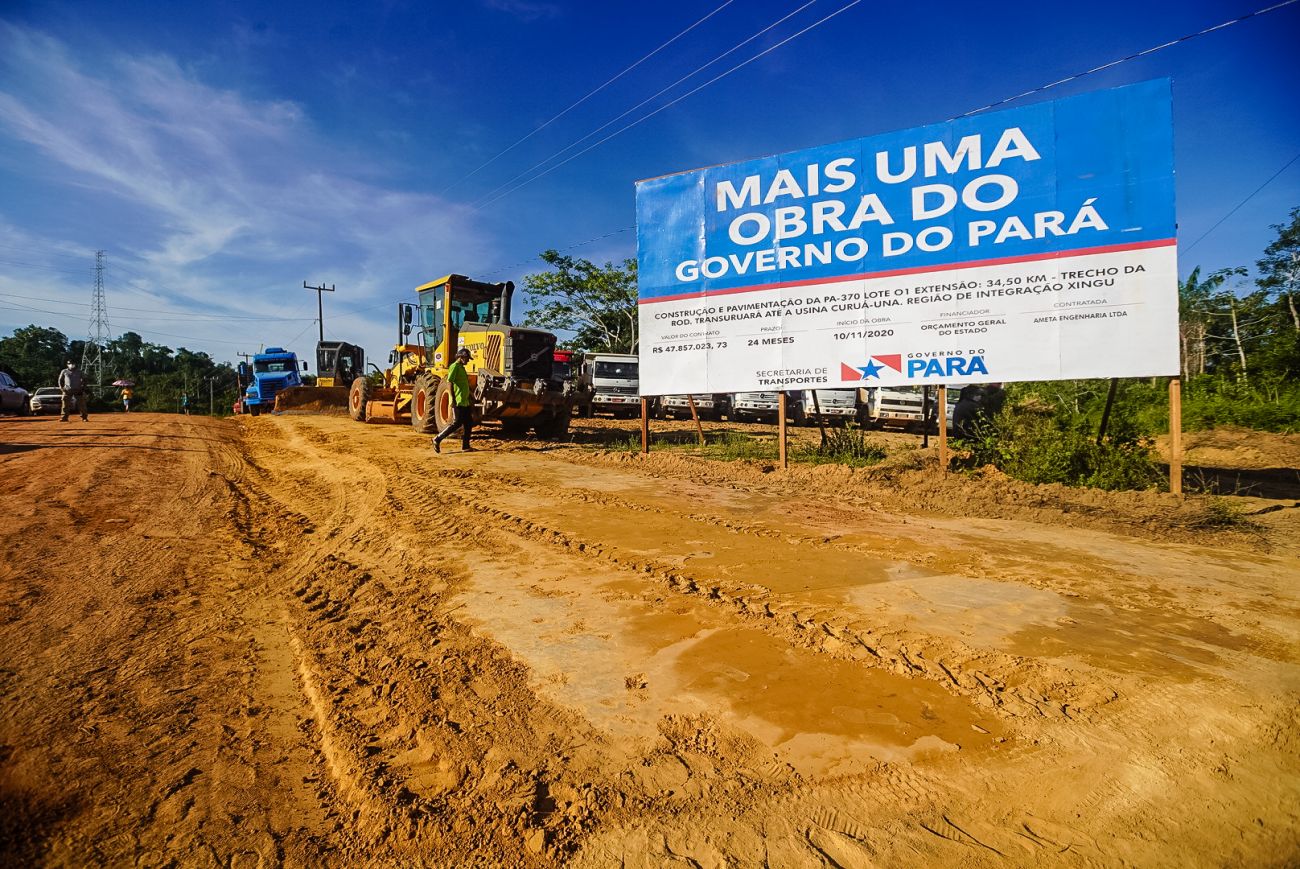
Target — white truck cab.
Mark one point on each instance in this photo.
(755, 405)
(835, 405)
(613, 382)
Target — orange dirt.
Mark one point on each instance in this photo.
(302, 641)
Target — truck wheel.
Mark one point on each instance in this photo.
(359, 398)
(555, 427)
(254, 409)
(444, 407)
(424, 397)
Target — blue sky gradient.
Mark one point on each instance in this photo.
(222, 153)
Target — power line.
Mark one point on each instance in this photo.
(1270, 180)
(528, 261)
(13, 306)
(10, 262)
(1143, 53)
(588, 96)
(674, 102)
(188, 317)
(648, 99)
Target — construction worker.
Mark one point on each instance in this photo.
(458, 377)
(73, 387)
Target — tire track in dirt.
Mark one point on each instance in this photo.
(434, 723)
(965, 672)
(363, 641)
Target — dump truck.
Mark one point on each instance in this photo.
(272, 371)
(709, 405)
(834, 405)
(511, 369)
(612, 383)
(755, 406)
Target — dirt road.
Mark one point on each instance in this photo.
(300, 641)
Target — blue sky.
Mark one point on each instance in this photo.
(223, 153)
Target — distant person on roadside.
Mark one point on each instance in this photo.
(73, 386)
(185, 403)
(127, 395)
(458, 377)
(966, 413)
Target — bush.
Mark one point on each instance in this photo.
(1030, 443)
(842, 446)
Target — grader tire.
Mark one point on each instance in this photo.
(359, 398)
(424, 399)
(444, 406)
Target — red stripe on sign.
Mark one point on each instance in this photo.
(916, 270)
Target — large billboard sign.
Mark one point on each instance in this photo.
(1030, 244)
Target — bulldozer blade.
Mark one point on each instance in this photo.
(313, 399)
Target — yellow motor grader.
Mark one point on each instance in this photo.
(511, 369)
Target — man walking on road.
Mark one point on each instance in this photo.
(73, 387)
(458, 377)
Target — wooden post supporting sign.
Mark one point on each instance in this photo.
(942, 417)
(645, 425)
(699, 429)
(1176, 435)
(780, 434)
(817, 408)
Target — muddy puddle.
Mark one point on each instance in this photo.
(612, 648)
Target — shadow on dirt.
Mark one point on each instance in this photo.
(26, 825)
(1276, 483)
(6, 449)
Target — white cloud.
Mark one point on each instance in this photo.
(219, 195)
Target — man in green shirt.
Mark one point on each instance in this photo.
(458, 377)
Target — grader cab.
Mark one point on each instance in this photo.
(511, 369)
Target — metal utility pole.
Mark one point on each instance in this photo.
(320, 313)
(92, 355)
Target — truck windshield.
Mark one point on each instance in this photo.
(265, 367)
(617, 370)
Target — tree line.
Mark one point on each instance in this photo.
(34, 355)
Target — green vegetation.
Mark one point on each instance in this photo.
(1033, 442)
(596, 303)
(842, 447)
(34, 355)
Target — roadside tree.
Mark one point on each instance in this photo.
(596, 303)
(34, 355)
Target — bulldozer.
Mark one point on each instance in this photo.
(511, 369)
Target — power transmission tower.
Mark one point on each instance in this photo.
(92, 355)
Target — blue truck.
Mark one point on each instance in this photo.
(273, 370)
